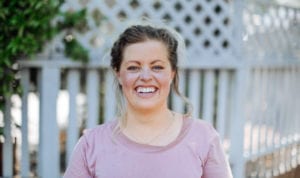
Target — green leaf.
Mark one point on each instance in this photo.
(75, 50)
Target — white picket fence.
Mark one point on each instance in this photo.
(242, 75)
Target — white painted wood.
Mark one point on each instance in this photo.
(48, 161)
(287, 106)
(222, 102)
(110, 97)
(7, 153)
(93, 98)
(297, 134)
(194, 91)
(256, 111)
(177, 103)
(73, 83)
(272, 105)
(291, 104)
(238, 123)
(287, 117)
(25, 164)
(252, 110)
(276, 138)
(263, 105)
(208, 96)
(282, 112)
(295, 103)
(240, 84)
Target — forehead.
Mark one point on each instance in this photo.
(146, 50)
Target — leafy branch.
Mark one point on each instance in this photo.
(25, 27)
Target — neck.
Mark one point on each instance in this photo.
(148, 117)
(150, 127)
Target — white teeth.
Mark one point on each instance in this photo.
(145, 89)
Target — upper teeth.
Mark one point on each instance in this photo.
(145, 90)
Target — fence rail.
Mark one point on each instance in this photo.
(211, 91)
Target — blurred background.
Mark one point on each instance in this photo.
(241, 73)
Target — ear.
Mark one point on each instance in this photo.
(117, 74)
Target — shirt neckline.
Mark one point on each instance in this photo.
(139, 147)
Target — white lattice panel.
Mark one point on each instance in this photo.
(205, 25)
(271, 32)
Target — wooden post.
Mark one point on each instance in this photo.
(48, 163)
(241, 82)
(238, 123)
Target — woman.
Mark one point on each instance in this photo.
(148, 140)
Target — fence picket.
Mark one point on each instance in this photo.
(73, 126)
(264, 123)
(194, 91)
(92, 98)
(8, 144)
(251, 114)
(177, 103)
(110, 99)
(25, 164)
(222, 96)
(208, 97)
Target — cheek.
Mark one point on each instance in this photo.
(164, 79)
(127, 79)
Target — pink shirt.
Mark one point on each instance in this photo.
(196, 153)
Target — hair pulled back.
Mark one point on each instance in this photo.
(140, 33)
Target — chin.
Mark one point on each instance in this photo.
(147, 106)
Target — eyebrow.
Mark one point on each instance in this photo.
(157, 60)
(138, 62)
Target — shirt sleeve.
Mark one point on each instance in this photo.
(77, 167)
(216, 164)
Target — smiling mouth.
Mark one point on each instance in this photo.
(146, 89)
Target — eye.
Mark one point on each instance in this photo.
(132, 68)
(157, 67)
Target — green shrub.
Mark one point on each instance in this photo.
(25, 26)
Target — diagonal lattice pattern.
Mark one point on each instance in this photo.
(205, 25)
(271, 31)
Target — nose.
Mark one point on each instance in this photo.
(145, 74)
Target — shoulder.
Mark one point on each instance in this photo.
(98, 135)
(201, 132)
(100, 131)
(203, 128)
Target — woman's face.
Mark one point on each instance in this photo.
(146, 75)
